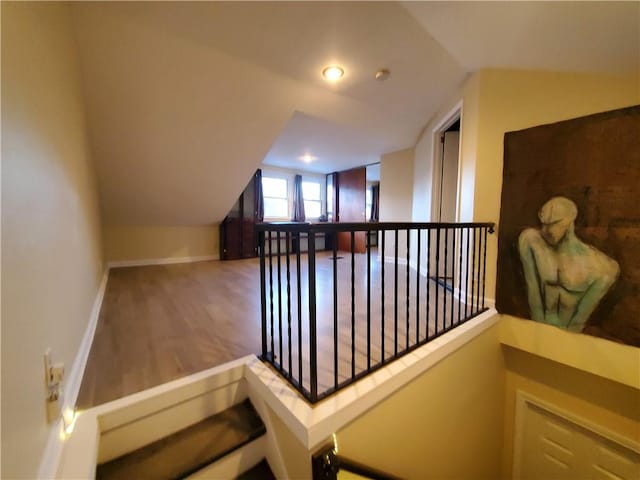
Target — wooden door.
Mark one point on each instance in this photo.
(352, 186)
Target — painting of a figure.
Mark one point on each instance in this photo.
(565, 277)
(569, 230)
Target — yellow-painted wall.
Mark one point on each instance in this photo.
(396, 180)
(513, 100)
(130, 243)
(596, 378)
(396, 185)
(445, 424)
(51, 242)
(611, 405)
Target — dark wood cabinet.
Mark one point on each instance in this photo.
(352, 186)
(237, 231)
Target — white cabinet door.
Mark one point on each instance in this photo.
(549, 446)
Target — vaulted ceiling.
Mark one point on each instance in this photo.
(185, 100)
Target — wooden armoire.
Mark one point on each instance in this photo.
(237, 231)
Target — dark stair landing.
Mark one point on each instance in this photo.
(260, 472)
(188, 450)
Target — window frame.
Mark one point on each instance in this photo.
(317, 182)
(287, 197)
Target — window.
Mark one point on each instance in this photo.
(369, 203)
(276, 199)
(311, 195)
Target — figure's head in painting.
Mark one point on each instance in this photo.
(557, 217)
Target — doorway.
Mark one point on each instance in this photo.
(445, 186)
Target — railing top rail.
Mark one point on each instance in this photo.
(327, 227)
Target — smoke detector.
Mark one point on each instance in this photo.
(382, 74)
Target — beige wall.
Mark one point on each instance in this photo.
(396, 199)
(589, 377)
(52, 261)
(131, 243)
(396, 185)
(445, 424)
(592, 377)
(498, 101)
(513, 100)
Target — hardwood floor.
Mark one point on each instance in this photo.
(159, 323)
(163, 322)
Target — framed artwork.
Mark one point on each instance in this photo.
(569, 231)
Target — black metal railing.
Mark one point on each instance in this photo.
(345, 308)
(327, 465)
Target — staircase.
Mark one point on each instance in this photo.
(211, 448)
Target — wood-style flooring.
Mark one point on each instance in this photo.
(162, 322)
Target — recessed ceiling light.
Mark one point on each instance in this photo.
(306, 158)
(333, 73)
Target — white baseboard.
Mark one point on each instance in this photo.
(53, 450)
(160, 261)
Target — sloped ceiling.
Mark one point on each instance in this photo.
(561, 36)
(186, 99)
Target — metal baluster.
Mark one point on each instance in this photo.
(428, 313)
(263, 294)
(384, 235)
(418, 289)
(395, 302)
(287, 237)
(460, 276)
(484, 266)
(453, 272)
(299, 285)
(313, 346)
(437, 275)
(466, 281)
(473, 274)
(408, 293)
(368, 233)
(279, 252)
(478, 281)
(444, 289)
(353, 305)
(335, 310)
(271, 295)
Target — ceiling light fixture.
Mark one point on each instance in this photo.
(333, 73)
(306, 158)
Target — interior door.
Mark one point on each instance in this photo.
(449, 178)
(352, 187)
(447, 194)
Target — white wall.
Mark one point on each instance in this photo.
(52, 260)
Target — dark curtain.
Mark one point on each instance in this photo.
(375, 203)
(259, 196)
(298, 200)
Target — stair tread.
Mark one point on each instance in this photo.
(261, 471)
(190, 449)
